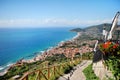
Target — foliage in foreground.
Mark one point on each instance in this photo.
(113, 64)
(20, 70)
(89, 73)
(112, 51)
(56, 59)
(54, 73)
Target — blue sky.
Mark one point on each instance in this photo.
(41, 13)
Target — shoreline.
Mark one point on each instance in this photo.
(41, 55)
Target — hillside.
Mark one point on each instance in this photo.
(99, 27)
(77, 30)
(94, 31)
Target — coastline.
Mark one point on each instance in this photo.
(41, 55)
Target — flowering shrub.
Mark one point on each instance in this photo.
(110, 48)
(112, 51)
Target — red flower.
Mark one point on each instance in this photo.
(106, 45)
(115, 46)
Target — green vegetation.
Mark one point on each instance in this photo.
(89, 73)
(19, 70)
(55, 71)
(113, 64)
(56, 59)
(76, 30)
(49, 61)
(112, 52)
(88, 55)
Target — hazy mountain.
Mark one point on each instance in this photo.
(99, 27)
(94, 31)
(77, 30)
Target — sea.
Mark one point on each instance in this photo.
(18, 43)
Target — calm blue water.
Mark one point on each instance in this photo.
(18, 43)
